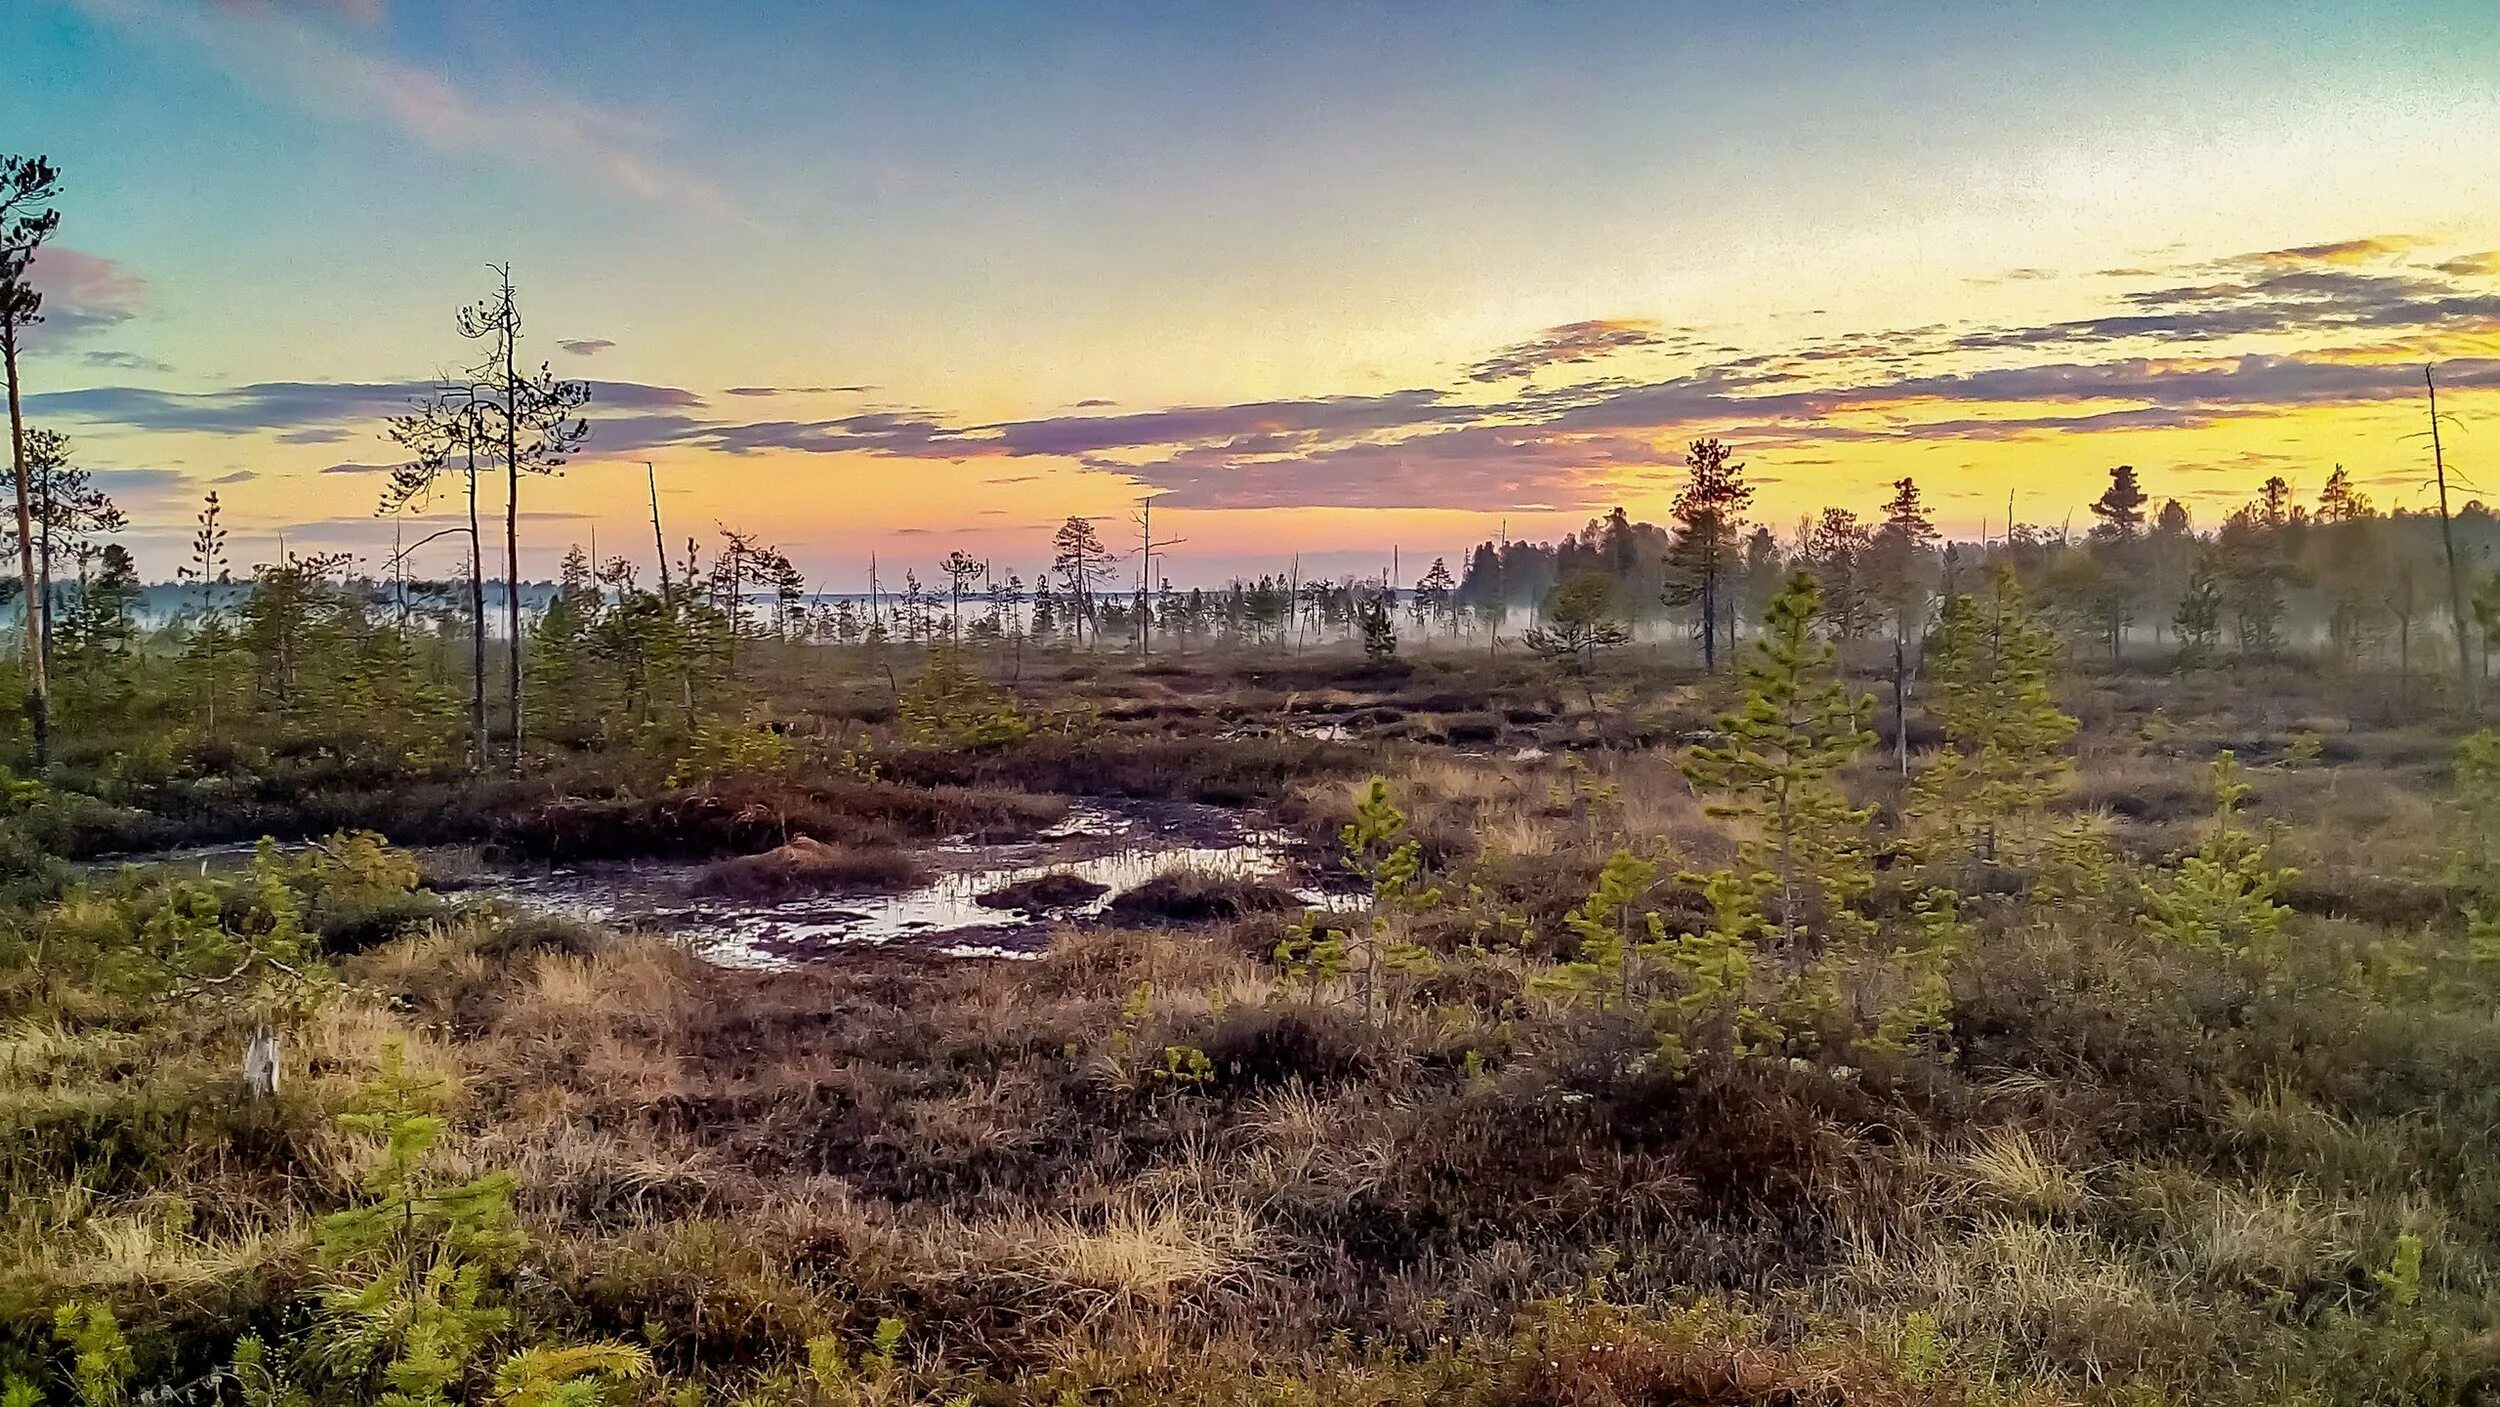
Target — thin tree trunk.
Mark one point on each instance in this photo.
(1709, 618)
(1901, 696)
(43, 564)
(38, 689)
(2448, 542)
(477, 624)
(512, 522)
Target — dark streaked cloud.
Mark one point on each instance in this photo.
(361, 11)
(924, 434)
(1480, 467)
(796, 390)
(1319, 417)
(634, 395)
(239, 410)
(125, 361)
(1570, 343)
(2298, 301)
(138, 489)
(615, 434)
(585, 346)
(301, 412)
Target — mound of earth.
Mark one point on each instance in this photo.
(1197, 896)
(1044, 893)
(809, 866)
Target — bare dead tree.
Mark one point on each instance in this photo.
(2448, 543)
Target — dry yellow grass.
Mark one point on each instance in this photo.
(2012, 1167)
(1157, 1256)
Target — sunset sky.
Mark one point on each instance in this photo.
(1326, 277)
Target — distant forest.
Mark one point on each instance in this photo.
(2276, 573)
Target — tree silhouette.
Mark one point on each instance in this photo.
(28, 186)
(1709, 510)
(1082, 564)
(533, 420)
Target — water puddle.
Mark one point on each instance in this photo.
(1323, 730)
(1117, 848)
(1115, 845)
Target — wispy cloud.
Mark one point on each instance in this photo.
(82, 293)
(271, 47)
(360, 11)
(2369, 249)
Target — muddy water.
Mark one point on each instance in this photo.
(1119, 846)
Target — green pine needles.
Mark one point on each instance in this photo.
(1786, 745)
(416, 1305)
(2004, 755)
(1377, 849)
(2222, 898)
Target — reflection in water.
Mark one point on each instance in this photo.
(1118, 850)
(1118, 846)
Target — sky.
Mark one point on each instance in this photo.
(1330, 279)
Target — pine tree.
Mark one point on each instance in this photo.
(2004, 753)
(417, 1304)
(1380, 629)
(1613, 932)
(1078, 556)
(2116, 584)
(1836, 550)
(2222, 897)
(1709, 512)
(1378, 849)
(1898, 562)
(2120, 508)
(1578, 621)
(1436, 595)
(2199, 616)
(1798, 726)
